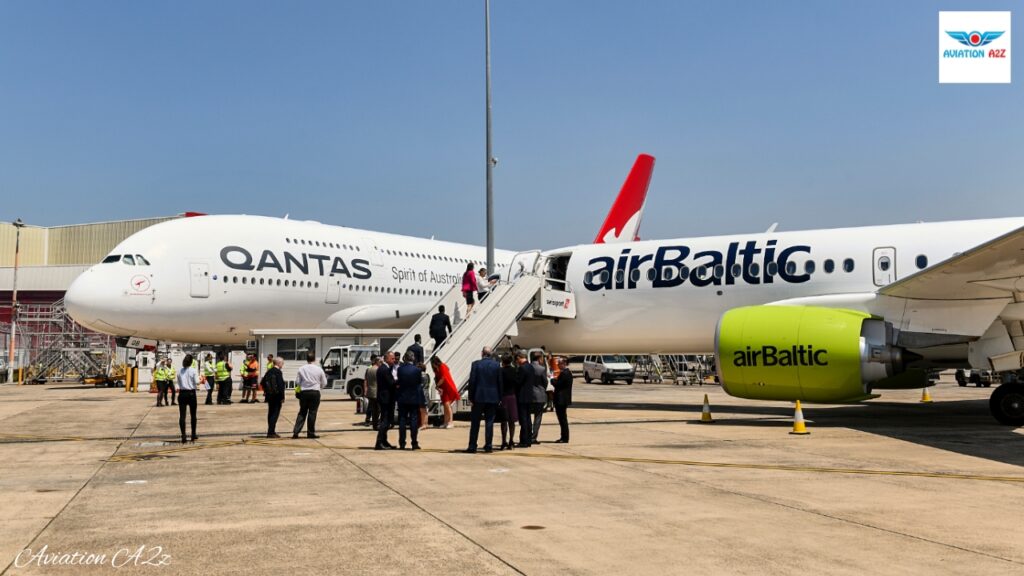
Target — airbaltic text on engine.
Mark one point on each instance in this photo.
(771, 356)
(608, 273)
(241, 259)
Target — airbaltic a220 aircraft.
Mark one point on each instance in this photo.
(818, 315)
(212, 279)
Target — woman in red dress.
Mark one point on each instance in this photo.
(446, 388)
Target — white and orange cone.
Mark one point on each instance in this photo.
(705, 413)
(926, 398)
(799, 427)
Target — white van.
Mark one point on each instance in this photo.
(608, 368)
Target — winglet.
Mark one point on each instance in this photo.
(623, 221)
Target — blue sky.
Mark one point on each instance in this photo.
(371, 114)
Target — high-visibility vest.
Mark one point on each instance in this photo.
(251, 369)
(158, 374)
(170, 373)
(270, 364)
(222, 371)
(209, 370)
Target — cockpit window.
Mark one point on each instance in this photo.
(140, 260)
(128, 260)
(112, 258)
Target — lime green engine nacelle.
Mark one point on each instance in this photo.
(804, 353)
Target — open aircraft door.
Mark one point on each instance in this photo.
(199, 279)
(884, 265)
(523, 263)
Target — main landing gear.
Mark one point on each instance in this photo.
(1007, 404)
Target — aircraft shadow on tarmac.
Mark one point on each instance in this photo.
(961, 426)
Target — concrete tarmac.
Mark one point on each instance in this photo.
(891, 486)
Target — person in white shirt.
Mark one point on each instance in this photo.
(309, 380)
(185, 383)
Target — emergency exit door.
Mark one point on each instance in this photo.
(199, 280)
(884, 266)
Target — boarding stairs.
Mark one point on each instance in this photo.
(490, 322)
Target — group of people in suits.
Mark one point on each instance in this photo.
(401, 386)
(516, 394)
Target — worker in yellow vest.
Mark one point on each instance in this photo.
(222, 371)
(164, 380)
(270, 363)
(250, 378)
(172, 375)
(158, 378)
(209, 376)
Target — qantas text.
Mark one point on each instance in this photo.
(672, 266)
(241, 259)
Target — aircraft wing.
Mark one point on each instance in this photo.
(994, 269)
(623, 221)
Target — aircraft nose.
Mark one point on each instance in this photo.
(84, 299)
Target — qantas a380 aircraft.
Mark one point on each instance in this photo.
(212, 279)
(817, 315)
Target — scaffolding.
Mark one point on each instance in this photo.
(52, 346)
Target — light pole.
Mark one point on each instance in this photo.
(18, 225)
(490, 159)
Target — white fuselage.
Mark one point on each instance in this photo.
(212, 279)
(620, 309)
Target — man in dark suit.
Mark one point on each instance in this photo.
(417, 350)
(563, 399)
(484, 394)
(524, 396)
(386, 400)
(539, 392)
(273, 395)
(440, 327)
(410, 385)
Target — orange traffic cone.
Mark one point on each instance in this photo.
(798, 421)
(705, 413)
(926, 398)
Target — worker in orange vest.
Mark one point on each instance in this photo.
(250, 379)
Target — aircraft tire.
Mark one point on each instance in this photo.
(1007, 404)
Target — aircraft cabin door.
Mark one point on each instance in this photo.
(199, 279)
(884, 266)
(372, 252)
(522, 263)
(333, 290)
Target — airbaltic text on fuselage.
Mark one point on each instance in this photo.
(771, 356)
(241, 259)
(608, 273)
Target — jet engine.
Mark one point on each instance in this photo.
(804, 353)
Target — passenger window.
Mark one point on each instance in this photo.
(128, 260)
(829, 266)
(922, 262)
(719, 271)
(791, 268)
(737, 269)
(112, 258)
(848, 265)
(634, 275)
(755, 269)
(883, 263)
(772, 268)
(809, 267)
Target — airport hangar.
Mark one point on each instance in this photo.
(49, 260)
